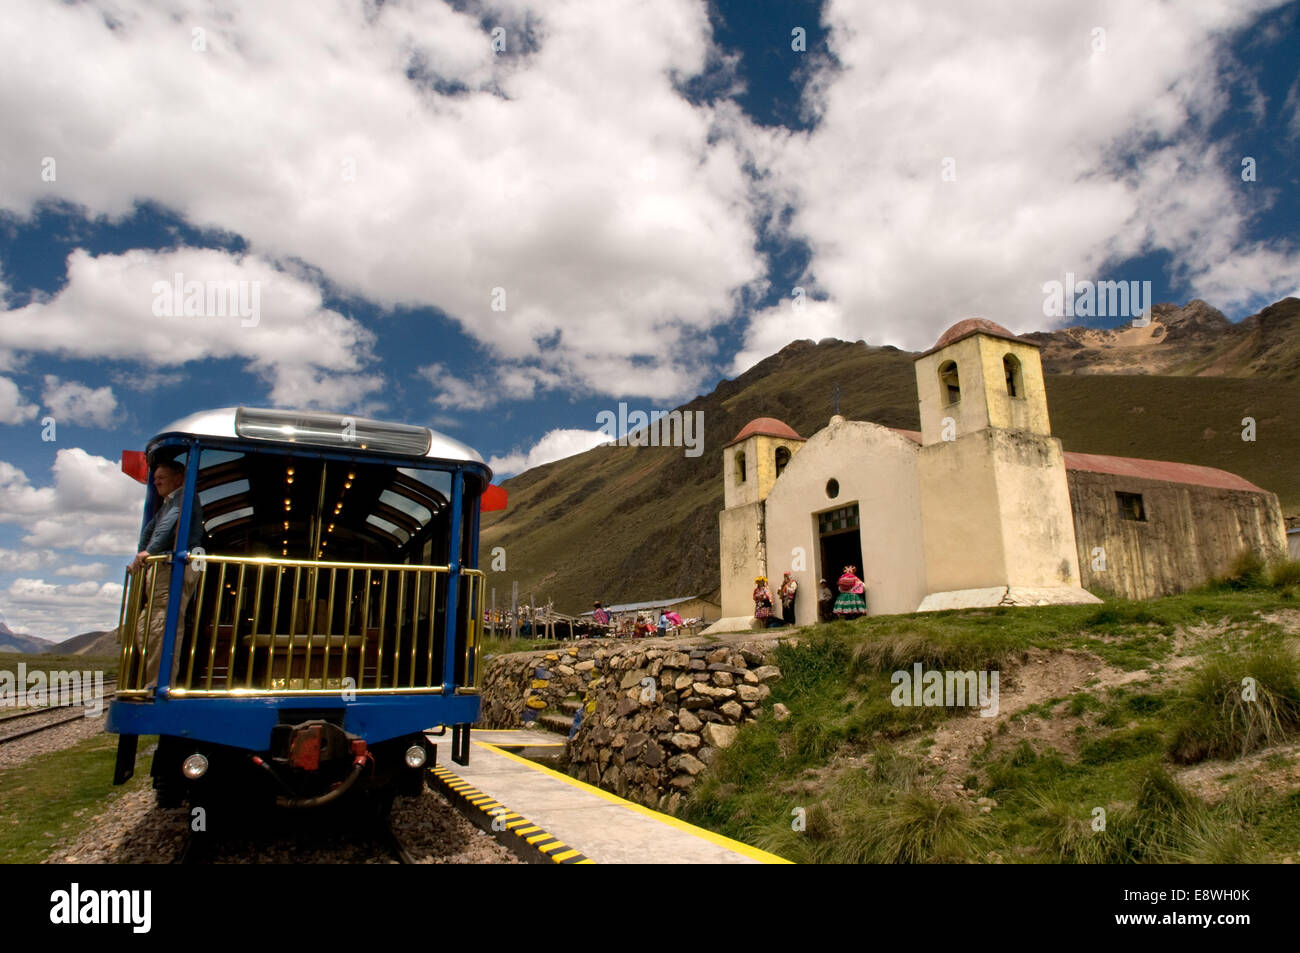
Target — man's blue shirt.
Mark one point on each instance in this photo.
(160, 532)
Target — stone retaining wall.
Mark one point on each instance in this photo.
(652, 715)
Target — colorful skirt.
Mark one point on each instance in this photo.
(850, 603)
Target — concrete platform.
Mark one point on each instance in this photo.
(567, 818)
(1007, 596)
(739, 623)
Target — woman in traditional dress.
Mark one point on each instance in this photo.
(788, 591)
(762, 601)
(851, 601)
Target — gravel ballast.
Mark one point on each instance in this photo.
(56, 739)
(134, 831)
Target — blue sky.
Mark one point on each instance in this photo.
(500, 219)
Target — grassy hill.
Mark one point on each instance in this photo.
(631, 523)
(101, 643)
(1130, 714)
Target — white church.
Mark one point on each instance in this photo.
(983, 507)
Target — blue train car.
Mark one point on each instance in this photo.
(317, 609)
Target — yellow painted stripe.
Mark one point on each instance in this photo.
(753, 852)
(588, 860)
(536, 837)
(524, 744)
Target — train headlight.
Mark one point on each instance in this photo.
(416, 756)
(195, 766)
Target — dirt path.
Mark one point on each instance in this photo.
(1041, 675)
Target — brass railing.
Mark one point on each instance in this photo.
(258, 626)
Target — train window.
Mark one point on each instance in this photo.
(214, 458)
(439, 480)
(224, 518)
(391, 529)
(408, 506)
(221, 491)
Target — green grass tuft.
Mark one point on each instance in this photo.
(1285, 575)
(1219, 721)
(1121, 746)
(1248, 571)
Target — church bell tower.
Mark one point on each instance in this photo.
(995, 506)
(751, 464)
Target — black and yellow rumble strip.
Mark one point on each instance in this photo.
(529, 841)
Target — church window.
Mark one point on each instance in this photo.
(949, 382)
(1130, 507)
(782, 458)
(832, 488)
(1015, 384)
(838, 521)
(740, 467)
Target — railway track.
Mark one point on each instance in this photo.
(15, 727)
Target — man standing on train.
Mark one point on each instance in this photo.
(159, 538)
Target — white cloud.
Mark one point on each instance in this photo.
(92, 507)
(1292, 106)
(147, 381)
(51, 611)
(83, 570)
(483, 390)
(616, 216)
(555, 445)
(310, 355)
(70, 402)
(13, 409)
(1042, 128)
(27, 560)
(773, 328)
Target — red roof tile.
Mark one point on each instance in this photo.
(964, 329)
(768, 427)
(1158, 470)
(1142, 469)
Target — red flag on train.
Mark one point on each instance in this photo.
(135, 464)
(494, 498)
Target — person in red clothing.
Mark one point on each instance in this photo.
(851, 602)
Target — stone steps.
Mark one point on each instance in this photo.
(559, 724)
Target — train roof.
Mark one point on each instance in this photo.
(321, 429)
